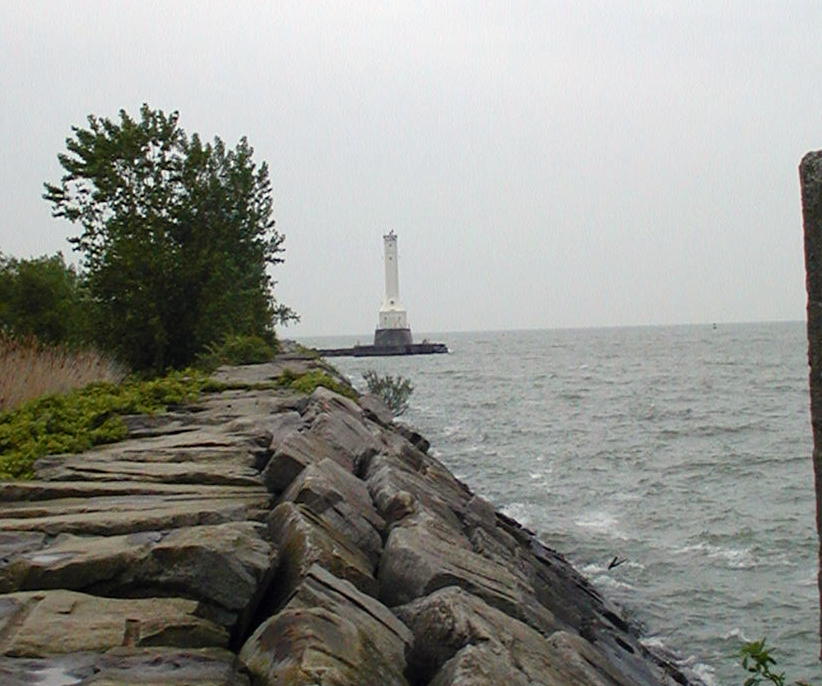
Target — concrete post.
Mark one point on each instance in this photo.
(810, 177)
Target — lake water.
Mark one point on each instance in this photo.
(685, 450)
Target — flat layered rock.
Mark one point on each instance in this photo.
(305, 540)
(43, 623)
(342, 501)
(323, 399)
(252, 374)
(481, 665)
(328, 633)
(120, 666)
(212, 472)
(348, 435)
(432, 486)
(423, 554)
(296, 452)
(145, 514)
(36, 490)
(225, 566)
(460, 640)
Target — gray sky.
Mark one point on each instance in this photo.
(545, 164)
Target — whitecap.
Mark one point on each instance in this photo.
(609, 582)
(736, 633)
(736, 558)
(597, 520)
(601, 522)
(705, 673)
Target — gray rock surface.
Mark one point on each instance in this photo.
(42, 623)
(261, 536)
(328, 633)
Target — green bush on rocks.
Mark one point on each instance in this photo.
(308, 382)
(89, 416)
(236, 349)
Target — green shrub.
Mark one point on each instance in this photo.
(89, 416)
(307, 382)
(237, 349)
(393, 391)
(757, 660)
(43, 297)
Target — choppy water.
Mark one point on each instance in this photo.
(684, 449)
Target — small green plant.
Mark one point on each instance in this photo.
(76, 421)
(757, 660)
(236, 349)
(394, 391)
(308, 382)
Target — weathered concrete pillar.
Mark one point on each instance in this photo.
(810, 177)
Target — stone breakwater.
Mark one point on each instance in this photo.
(267, 537)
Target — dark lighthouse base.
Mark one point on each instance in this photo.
(388, 342)
(392, 338)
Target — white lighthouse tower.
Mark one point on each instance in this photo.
(393, 327)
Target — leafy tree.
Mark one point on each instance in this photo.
(176, 237)
(41, 297)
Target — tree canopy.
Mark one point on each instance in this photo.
(176, 236)
(41, 297)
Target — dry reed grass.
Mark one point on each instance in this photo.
(29, 369)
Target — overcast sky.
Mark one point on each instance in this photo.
(544, 164)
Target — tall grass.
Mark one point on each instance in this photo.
(29, 369)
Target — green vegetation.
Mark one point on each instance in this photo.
(394, 391)
(757, 660)
(176, 236)
(236, 350)
(78, 420)
(308, 382)
(42, 297)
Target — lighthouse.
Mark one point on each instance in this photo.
(393, 327)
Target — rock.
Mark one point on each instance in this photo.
(251, 374)
(414, 437)
(328, 633)
(13, 543)
(435, 490)
(163, 666)
(423, 554)
(295, 453)
(19, 491)
(582, 662)
(324, 400)
(451, 619)
(376, 410)
(347, 434)
(106, 516)
(342, 501)
(42, 623)
(74, 562)
(150, 425)
(85, 466)
(225, 566)
(472, 643)
(283, 425)
(481, 666)
(306, 540)
(121, 666)
(402, 504)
